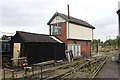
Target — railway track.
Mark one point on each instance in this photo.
(62, 72)
(65, 70)
(50, 72)
(79, 67)
(98, 69)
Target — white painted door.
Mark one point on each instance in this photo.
(75, 48)
(79, 50)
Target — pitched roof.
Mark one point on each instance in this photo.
(71, 20)
(21, 36)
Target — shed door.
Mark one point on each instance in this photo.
(16, 50)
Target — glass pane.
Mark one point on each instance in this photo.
(56, 28)
(51, 30)
(59, 24)
(59, 28)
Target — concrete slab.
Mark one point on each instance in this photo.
(110, 70)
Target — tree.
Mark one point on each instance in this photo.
(98, 42)
(118, 41)
(4, 37)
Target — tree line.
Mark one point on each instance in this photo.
(109, 42)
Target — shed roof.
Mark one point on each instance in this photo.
(21, 36)
(71, 20)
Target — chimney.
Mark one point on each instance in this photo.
(68, 12)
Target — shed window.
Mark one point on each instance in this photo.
(5, 46)
(56, 29)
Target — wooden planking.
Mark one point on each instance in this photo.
(16, 52)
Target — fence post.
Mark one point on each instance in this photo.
(12, 75)
(41, 72)
(4, 73)
(32, 71)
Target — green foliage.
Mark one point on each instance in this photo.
(4, 37)
(97, 42)
(110, 42)
(106, 46)
(118, 41)
(113, 42)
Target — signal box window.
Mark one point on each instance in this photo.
(56, 29)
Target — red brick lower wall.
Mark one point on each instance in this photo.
(84, 47)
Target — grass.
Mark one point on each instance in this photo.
(63, 70)
(91, 68)
(52, 68)
(59, 69)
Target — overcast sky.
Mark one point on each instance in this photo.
(33, 15)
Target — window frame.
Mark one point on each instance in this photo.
(57, 27)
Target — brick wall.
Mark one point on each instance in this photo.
(63, 37)
(84, 47)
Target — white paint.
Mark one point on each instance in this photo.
(56, 39)
(68, 57)
(57, 19)
(113, 58)
(19, 58)
(79, 32)
(75, 49)
(67, 25)
(75, 31)
(79, 50)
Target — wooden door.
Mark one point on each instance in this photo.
(16, 52)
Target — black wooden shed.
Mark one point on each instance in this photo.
(36, 47)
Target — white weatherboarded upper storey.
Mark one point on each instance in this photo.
(79, 32)
(75, 28)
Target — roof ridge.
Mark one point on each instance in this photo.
(72, 17)
(33, 37)
(31, 33)
(72, 20)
